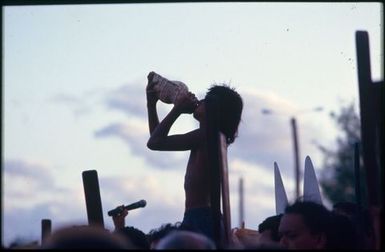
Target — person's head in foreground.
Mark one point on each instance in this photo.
(185, 240)
(268, 230)
(304, 226)
(85, 237)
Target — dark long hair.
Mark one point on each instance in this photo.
(230, 109)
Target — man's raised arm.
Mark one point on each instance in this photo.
(152, 99)
(159, 139)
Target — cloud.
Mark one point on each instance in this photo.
(135, 135)
(27, 169)
(30, 194)
(129, 99)
(78, 104)
(263, 139)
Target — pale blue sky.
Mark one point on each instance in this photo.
(73, 99)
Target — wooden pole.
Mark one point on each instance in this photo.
(357, 176)
(212, 138)
(92, 197)
(225, 188)
(241, 205)
(296, 157)
(46, 227)
(369, 109)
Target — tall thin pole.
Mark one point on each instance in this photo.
(46, 227)
(370, 113)
(212, 137)
(296, 157)
(241, 205)
(357, 174)
(224, 174)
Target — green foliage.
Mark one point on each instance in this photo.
(337, 178)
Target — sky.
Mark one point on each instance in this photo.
(73, 86)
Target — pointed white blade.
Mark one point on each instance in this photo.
(311, 190)
(280, 194)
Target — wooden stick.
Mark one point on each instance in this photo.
(46, 227)
(241, 205)
(92, 196)
(357, 175)
(369, 109)
(213, 165)
(225, 187)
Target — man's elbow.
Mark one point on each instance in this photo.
(151, 144)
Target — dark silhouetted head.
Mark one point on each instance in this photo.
(135, 236)
(85, 237)
(271, 225)
(185, 240)
(305, 225)
(155, 235)
(230, 107)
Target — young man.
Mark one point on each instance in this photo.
(197, 184)
(305, 225)
(309, 225)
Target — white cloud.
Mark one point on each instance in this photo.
(23, 180)
(30, 195)
(135, 135)
(28, 168)
(77, 104)
(263, 139)
(129, 99)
